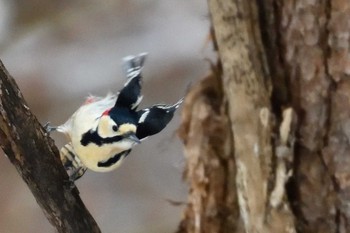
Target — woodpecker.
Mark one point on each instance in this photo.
(103, 130)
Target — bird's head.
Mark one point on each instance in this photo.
(118, 123)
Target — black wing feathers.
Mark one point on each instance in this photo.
(130, 96)
(149, 121)
(154, 119)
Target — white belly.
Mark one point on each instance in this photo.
(84, 119)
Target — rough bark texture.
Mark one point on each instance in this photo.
(247, 87)
(285, 78)
(315, 45)
(255, 178)
(210, 164)
(36, 158)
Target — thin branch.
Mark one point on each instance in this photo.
(36, 159)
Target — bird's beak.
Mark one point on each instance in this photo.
(132, 136)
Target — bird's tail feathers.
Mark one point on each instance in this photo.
(134, 64)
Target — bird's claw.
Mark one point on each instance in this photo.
(48, 128)
(69, 184)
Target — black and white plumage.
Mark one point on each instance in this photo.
(130, 96)
(103, 131)
(153, 119)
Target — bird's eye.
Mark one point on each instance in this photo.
(115, 128)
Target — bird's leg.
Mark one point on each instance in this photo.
(78, 172)
(71, 162)
(73, 176)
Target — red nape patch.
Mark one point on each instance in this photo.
(106, 113)
(90, 100)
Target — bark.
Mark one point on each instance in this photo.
(255, 181)
(271, 128)
(36, 159)
(210, 166)
(315, 45)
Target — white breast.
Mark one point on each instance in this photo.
(92, 154)
(84, 119)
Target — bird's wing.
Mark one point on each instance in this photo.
(130, 96)
(154, 119)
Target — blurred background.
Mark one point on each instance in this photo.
(59, 52)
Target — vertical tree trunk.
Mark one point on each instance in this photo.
(267, 133)
(315, 44)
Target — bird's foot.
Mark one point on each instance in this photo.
(48, 128)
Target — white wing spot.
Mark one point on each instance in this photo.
(162, 106)
(129, 80)
(144, 115)
(138, 101)
(166, 107)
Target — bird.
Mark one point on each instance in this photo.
(103, 130)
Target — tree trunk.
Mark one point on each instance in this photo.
(36, 159)
(267, 133)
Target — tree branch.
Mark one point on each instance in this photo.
(36, 159)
